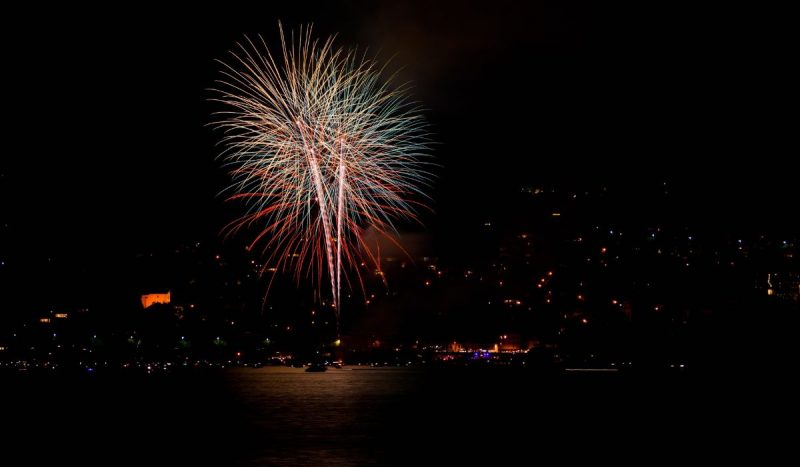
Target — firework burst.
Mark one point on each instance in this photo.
(320, 148)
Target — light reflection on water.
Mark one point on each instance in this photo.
(419, 416)
(352, 416)
(335, 417)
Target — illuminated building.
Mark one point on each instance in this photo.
(509, 343)
(149, 300)
(784, 286)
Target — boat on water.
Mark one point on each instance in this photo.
(316, 367)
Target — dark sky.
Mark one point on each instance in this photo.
(106, 145)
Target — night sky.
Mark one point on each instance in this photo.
(108, 152)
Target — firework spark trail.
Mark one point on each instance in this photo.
(320, 149)
(339, 221)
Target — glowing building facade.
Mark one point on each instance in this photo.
(151, 299)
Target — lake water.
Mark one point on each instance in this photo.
(359, 416)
